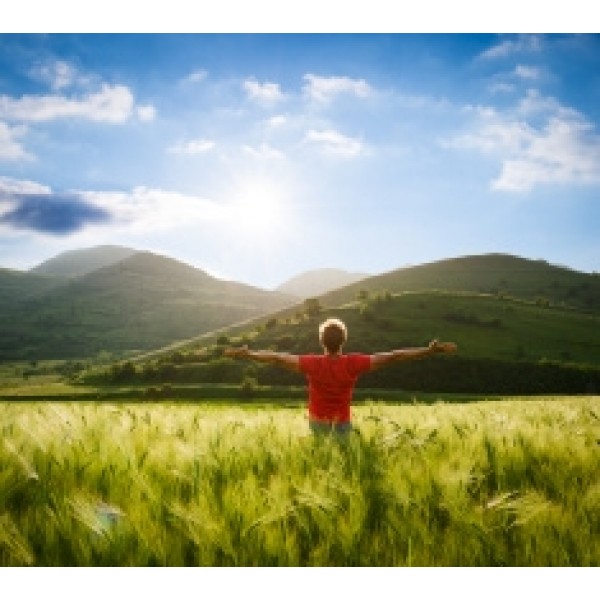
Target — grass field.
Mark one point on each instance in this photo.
(492, 483)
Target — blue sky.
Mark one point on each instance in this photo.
(256, 157)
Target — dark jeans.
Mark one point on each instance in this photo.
(324, 427)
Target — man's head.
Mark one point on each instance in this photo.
(332, 335)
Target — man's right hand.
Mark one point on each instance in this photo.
(448, 347)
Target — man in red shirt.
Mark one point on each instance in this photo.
(332, 375)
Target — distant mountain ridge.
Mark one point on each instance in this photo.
(319, 281)
(75, 263)
(141, 302)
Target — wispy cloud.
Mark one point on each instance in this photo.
(59, 75)
(501, 87)
(10, 186)
(334, 143)
(510, 47)
(277, 121)
(146, 209)
(146, 113)
(10, 147)
(199, 146)
(533, 103)
(325, 89)
(264, 151)
(539, 142)
(113, 103)
(196, 76)
(267, 92)
(527, 72)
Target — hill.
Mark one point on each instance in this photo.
(318, 282)
(76, 263)
(498, 274)
(15, 286)
(505, 346)
(536, 333)
(142, 302)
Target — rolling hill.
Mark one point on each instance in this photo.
(498, 274)
(16, 286)
(505, 345)
(532, 336)
(76, 263)
(141, 302)
(318, 282)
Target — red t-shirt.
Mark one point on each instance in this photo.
(331, 380)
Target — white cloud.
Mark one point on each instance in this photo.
(264, 151)
(146, 113)
(263, 92)
(196, 76)
(535, 104)
(540, 142)
(10, 187)
(277, 121)
(501, 88)
(527, 72)
(335, 143)
(520, 44)
(112, 104)
(10, 148)
(325, 89)
(57, 74)
(146, 209)
(192, 147)
(562, 152)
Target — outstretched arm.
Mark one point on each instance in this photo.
(384, 358)
(282, 359)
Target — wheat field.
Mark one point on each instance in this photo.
(514, 482)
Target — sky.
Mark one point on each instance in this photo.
(259, 156)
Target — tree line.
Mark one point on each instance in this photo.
(453, 374)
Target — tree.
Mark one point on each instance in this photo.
(223, 340)
(122, 372)
(248, 386)
(312, 307)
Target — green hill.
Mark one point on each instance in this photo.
(498, 274)
(483, 326)
(531, 336)
(505, 346)
(142, 302)
(15, 286)
(76, 263)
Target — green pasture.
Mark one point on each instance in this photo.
(483, 326)
(512, 482)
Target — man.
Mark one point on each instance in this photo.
(331, 376)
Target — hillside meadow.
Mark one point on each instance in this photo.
(505, 346)
(510, 482)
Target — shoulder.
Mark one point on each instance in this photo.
(306, 361)
(360, 362)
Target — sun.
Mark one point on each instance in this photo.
(259, 211)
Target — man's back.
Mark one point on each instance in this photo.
(331, 380)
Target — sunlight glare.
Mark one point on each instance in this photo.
(258, 211)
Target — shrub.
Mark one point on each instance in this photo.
(312, 307)
(248, 386)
